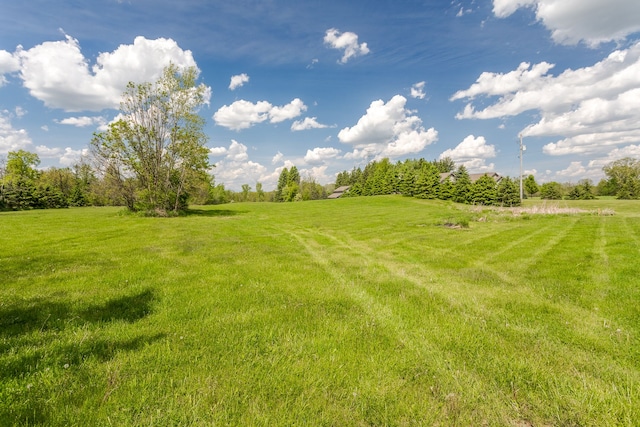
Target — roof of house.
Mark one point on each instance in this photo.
(472, 176)
(476, 176)
(338, 192)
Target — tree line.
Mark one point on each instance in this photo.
(436, 179)
(154, 160)
(24, 186)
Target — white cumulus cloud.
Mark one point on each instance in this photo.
(417, 90)
(12, 139)
(244, 114)
(9, 63)
(590, 108)
(472, 152)
(320, 155)
(218, 151)
(572, 21)
(289, 111)
(471, 147)
(83, 121)
(307, 123)
(238, 81)
(57, 73)
(347, 41)
(575, 169)
(277, 158)
(387, 130)
(236, 169)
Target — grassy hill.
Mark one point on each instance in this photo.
(366, 311)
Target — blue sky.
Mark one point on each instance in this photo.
(329, 85)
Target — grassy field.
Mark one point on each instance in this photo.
(351, 312)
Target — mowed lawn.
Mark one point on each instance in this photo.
(349, 312)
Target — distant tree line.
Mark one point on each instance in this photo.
(622, 181)
(436, 179)
(292, 188)
(24, 186)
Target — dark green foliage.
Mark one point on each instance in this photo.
(294, 176)
(218, 195)
(48, 197)
(551, 191)
(406, 178)
(582, 191)
(18, 194)
(343, 179)
(446, 190)
(427, 182)
(462, 186)
(606, 187)
(311, 190)
(282, 183)
(484, 191)
(508, 193)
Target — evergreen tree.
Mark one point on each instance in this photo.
(484, 191)
(508, 192)
(343, 179)
(294, 176)
(446, 190)
(406, 178)
(282, 183)
(427, 181)
(551, 191)
(462, 186)
(582, 191)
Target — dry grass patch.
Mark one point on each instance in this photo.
(545, 209)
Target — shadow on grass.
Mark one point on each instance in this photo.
(212, 212)
(42, 335)
(42, 314)
(37, 407)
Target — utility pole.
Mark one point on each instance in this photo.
(522, 148)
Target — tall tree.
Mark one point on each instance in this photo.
(21, 165)
(158, 148)
(427, 182)
(530, 185)
(462, 186)
(484, 191)
(508, 193)
(294, 176)
(551, 191)
(18, 186)
(445, 164)
(245, 192)
(624, 175)
(259, 192)
(282, 183)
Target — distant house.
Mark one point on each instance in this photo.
(338, 192)
(447, 176)
(476, 176)
(472, 176)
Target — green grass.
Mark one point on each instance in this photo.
(365, 311)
